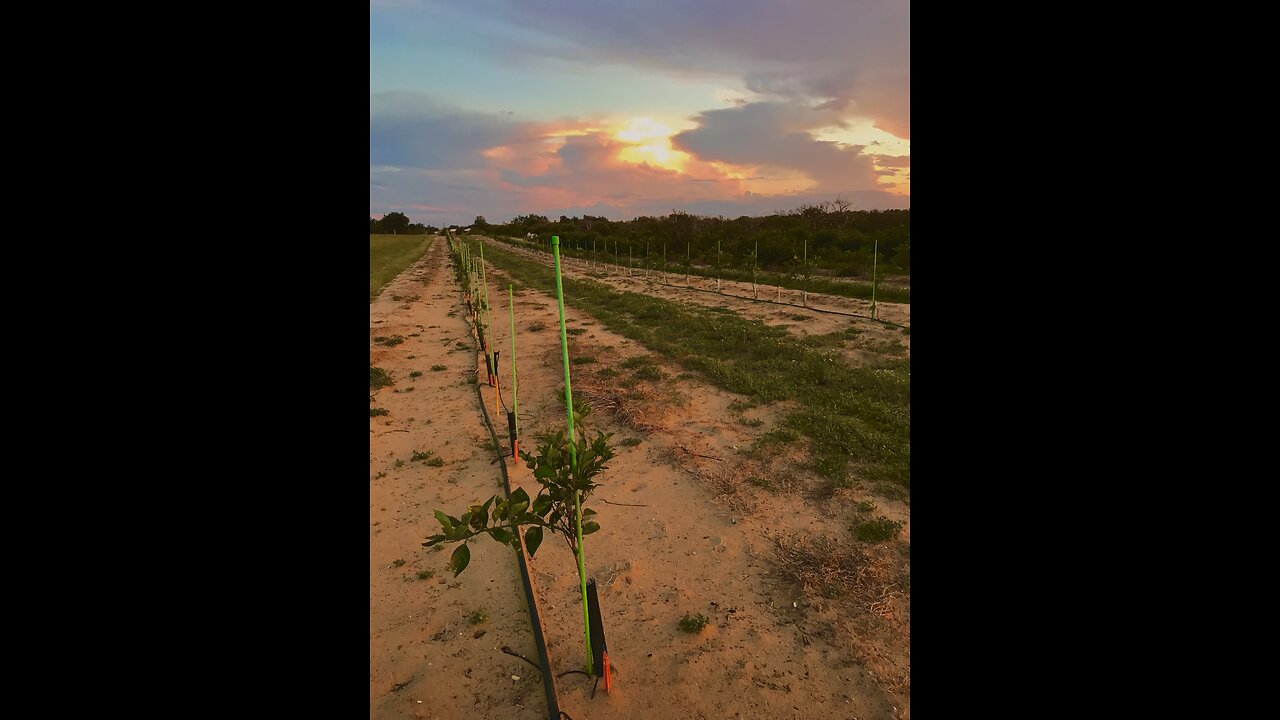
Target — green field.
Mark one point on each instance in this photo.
(391, 254)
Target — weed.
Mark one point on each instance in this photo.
(379, 377)
(381, 474)
(436, 462)
(879, 530)
(751, 422)
(648, 372)
(537, 326)
(832, 591)
(399, 463)
(426, 574)
(375, 412)
(437, 368)
(397, 563)
(574, 331)
(866, 506)
(588, 360)
(421, 455)
(906, 330)
(635, 362)
(762, 483)
(477, 616)
(605, 373)
(415, 373)
(389, 341)
(693, 623)
(631, 442)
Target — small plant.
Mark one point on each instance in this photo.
(575, 331)
(751, 422)
(379, 377)
(635, 362)
(381, 474)
(906, 330)
(694, 623)
(538, 326)
(421, 455)
(477, 616)
(832, 591)
(436, 461)
(398, 463)
(426, 574)
(389, 341)
(375, 412)
(415, 373)
(437, 368)
(397, 563)
(762, 483)
(648, 372)
(582, 360)
(605, 373)
(631, 442)
(879, 530)
(866, 506)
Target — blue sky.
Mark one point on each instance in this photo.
(502, 108)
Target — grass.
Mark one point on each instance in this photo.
(426, 574)
(853, 417)
(588, 360)
(379, 377)
(375, 412)
(762, 483)
(882, 529)
(648, 372)
(437, 368)
(608, 373)
(436, 462)
(397, 563)
(538, 326)
(421, 455)
(751, 422)
(637, 361)
(477, 616)
(399, 463)
(389, 255)
(866, 506)
(574, 331)
(694, 623)
(415, 373)
(389, 341)
(631, 442)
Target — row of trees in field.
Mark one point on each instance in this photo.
(839, 240)
(395, 223)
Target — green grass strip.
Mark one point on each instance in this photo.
(389, 255)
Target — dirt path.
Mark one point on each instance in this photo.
(874, 342)
(426, 659)
(701, 543)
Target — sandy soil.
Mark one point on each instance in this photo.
(701, 542)
(425, 660)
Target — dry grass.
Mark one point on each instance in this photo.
(646, 407)
(864, 586)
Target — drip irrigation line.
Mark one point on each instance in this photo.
(548, 682)
(622, 504)
(775, 302)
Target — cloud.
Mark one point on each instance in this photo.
(893, 161)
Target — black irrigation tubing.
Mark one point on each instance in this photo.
(548, 681)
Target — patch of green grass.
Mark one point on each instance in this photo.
(893, 492)
(879, 530)
(866, 506)
(421, 455)
(648, 372)
(574, 331)
(537, 326)
(436, 461)
(389, 255)
(426, 574)
(437, 368)
(694, 623)
(415, 373)
(738, 406)
(608, 373)
(375, 412)
(389, 341)
(397, 563)
(379, 377)
(832, 591)
(634, 362)
(631, 442)
(477, 616)
(587, 360)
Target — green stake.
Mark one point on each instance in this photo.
(573, 455)
(874, 256)
(515, 388)
(484, 291)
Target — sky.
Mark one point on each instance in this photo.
(624, 108)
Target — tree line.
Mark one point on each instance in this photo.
(396, 223)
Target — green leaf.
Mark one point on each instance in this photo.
(501, 535)
(519, 501)
(588, 512)
(533, 538)
(458, 562)
(542, 505)
(590, 527)
(466, 519)
(444, 521)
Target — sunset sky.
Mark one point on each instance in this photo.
(636, 107)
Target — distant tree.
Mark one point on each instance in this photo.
(480, 222)
(395, 222)
(375, 227)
